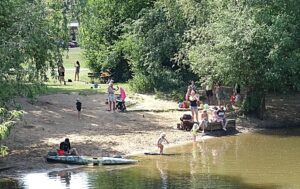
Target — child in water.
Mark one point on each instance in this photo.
(194, 130)
(160, 140)
(78, 107)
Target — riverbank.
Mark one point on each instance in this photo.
(51, 118)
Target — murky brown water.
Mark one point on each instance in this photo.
(260, 160)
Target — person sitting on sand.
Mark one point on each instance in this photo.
(66, 147)
(160, 140)
(194, 130)
(204, 120)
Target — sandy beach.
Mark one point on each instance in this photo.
(51, 118)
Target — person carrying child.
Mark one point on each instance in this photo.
(161, 139)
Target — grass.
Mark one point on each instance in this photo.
(83, 88)
(84, 85)
(70, 57)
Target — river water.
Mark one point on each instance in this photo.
(255, 160)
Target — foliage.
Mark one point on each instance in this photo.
(157, 37)
(33, 35)
(248, 42)
(6, 122)
(102, 27)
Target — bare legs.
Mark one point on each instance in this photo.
(195, 114)
(114, 105)
(76, 76)
(161, 148)
(78, 115)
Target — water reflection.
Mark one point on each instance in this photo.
(57, 180)
(65, 176)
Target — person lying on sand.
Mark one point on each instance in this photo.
(160, 140)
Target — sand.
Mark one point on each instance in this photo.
(52, 118)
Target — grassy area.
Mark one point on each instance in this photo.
(83, 88)
(69, 59)
(71, 56)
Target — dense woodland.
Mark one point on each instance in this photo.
(156, 45)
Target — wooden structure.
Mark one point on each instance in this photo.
(101, 76)
(212, 126)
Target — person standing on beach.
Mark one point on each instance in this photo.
(77, 70)
(61, 74)
(160, 140)
(111, 96)
(191, 87)
(194, 106)
(78, 107)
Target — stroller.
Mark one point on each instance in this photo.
(186, 122)
(121, 100)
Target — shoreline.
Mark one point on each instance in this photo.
(52, 167)
(100, 133)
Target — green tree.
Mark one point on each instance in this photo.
(32, 37)
(103, 24)
(156, 39)
(253, 43)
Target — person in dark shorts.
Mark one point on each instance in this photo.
(78, 107)
(194, 106)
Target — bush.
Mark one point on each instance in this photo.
(141, 83)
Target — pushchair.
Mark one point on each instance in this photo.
(121, 100)
(186, 122)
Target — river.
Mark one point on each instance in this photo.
(266, 159)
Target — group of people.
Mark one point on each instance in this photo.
(61, 73)
(218, 113)
(111, 98)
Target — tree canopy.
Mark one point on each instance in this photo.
(33, 34)
(165, 43)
